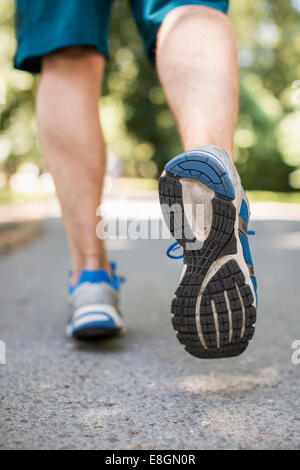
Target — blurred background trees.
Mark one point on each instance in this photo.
(138, 126)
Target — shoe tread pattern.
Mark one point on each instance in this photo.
(234, 324)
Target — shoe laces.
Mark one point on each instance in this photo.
(121, 279)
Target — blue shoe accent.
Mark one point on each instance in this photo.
(246, 249)
(244, 211)
(103, 323)
(204, 167)
(245, 243)
(93, 326)
(98, 275)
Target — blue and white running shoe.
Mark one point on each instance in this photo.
(207, 212)
(94, 301)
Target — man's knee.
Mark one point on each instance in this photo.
(191, 16)
(185, 12)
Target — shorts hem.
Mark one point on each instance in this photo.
(31, 61)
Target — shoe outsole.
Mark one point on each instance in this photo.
(218, 322)
(95, 333)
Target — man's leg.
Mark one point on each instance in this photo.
(197, 65)
(214, 307)
(72, 142)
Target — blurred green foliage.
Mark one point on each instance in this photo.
(137, 124)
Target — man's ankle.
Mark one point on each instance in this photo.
(91, 263)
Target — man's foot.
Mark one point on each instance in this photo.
(94, 303)
(214, 307)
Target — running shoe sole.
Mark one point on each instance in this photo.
(214, 307)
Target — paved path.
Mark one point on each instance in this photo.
(144, 390)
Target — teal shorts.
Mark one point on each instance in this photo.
(43, 26)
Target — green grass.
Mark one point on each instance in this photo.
(291, 197)
(8, 196)
(137, 184)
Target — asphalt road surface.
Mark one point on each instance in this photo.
(143, 391)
